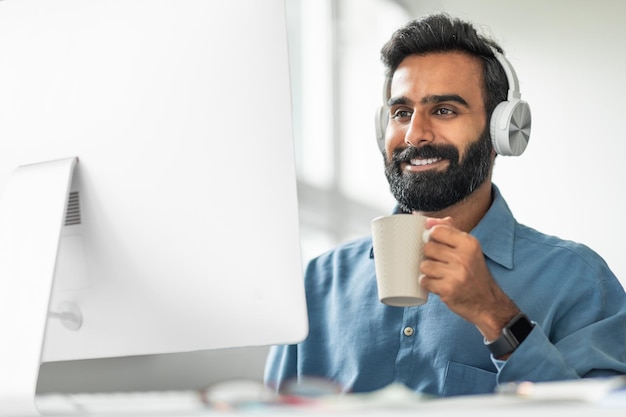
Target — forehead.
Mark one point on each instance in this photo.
(420, 76)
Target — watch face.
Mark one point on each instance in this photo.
(521, 328)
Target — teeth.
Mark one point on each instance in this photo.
(428, 161)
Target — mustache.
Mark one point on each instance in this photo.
(448, 152)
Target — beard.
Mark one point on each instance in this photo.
(434, 190)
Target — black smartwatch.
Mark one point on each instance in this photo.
(512, 335)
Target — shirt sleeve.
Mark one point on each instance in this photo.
(590, 341)
(281, 365)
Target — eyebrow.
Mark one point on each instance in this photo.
(430, 99)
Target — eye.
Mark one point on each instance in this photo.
(401, 114)
(444, 111)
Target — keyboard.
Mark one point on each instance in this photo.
(219, 396)
(122, 403)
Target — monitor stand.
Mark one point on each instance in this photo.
(32, 210)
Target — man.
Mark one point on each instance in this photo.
(488, 276)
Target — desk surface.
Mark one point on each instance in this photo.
(446, 408)
(391, 401)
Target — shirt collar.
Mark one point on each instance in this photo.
(495, 232)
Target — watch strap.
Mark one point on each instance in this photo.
(513, 334)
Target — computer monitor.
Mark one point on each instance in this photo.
(148, 197)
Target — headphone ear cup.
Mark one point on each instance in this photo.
(510, 127)
(381, 119)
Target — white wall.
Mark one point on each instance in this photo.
(570, 57)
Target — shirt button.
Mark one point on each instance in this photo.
(408, 331)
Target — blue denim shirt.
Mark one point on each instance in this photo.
(357, 342)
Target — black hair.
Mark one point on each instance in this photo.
(442, 33)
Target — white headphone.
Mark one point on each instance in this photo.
(509, 124)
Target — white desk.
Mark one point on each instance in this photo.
(483, 407)
(398, 401)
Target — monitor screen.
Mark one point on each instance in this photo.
(173, 118)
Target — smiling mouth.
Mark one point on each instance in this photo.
(419, 164)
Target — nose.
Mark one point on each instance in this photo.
(419, 132)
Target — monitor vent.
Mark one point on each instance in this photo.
(72, 216)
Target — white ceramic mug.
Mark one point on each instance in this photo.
(398, 252)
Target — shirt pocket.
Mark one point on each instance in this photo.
(467, 380)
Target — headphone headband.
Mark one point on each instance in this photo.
(511, 76)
